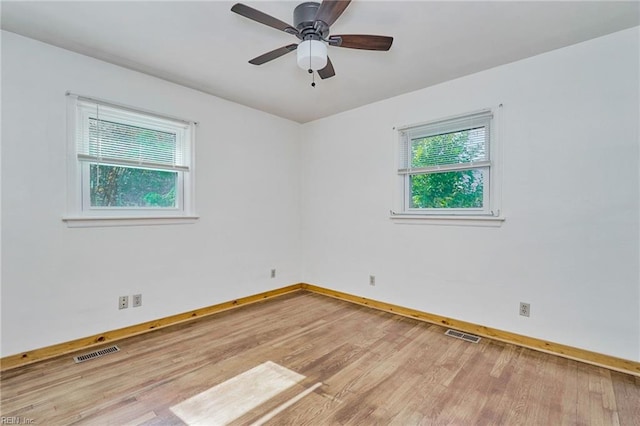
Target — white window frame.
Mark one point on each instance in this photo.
(80, 212)
(489, 214)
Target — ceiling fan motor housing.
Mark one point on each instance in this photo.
(304, 19)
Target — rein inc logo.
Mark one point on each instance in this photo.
(16, 420)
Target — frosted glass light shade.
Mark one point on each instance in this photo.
(312, 54)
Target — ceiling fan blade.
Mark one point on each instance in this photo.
(327, 71)
(330, 10)
(274, 54)
(361, 41)
(263, 18)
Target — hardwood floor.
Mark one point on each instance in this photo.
(358, 366)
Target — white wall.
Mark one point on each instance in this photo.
(60, 283)
(570, 189)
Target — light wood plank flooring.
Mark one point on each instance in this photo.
(374, 368)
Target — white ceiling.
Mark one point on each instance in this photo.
(203, 45)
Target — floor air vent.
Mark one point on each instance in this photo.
(96, 354)
(464, 336)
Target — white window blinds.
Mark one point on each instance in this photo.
(115, 136)
(454, 144)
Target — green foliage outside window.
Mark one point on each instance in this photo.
(116, 186)
(449, 189)
(454, 190)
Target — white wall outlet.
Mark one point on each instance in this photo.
(137, 300)
(273, 273)
(525, 309)
(123, 302)
(372, 280)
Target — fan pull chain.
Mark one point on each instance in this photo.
(313, 76)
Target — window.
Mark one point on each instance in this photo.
(128, 164)
(446, 168)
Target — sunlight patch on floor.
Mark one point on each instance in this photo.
(229, 400)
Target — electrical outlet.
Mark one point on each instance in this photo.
(123, 302)
(525, 309)
(372, 280)
(273, 273)
(137, 300)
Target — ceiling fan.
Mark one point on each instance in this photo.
(311, 24)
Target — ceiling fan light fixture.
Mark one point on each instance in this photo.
(312, 55)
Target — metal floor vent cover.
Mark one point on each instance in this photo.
(464, 336)
(96, 354)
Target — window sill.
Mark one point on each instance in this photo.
(449, 220)
(105, 221)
